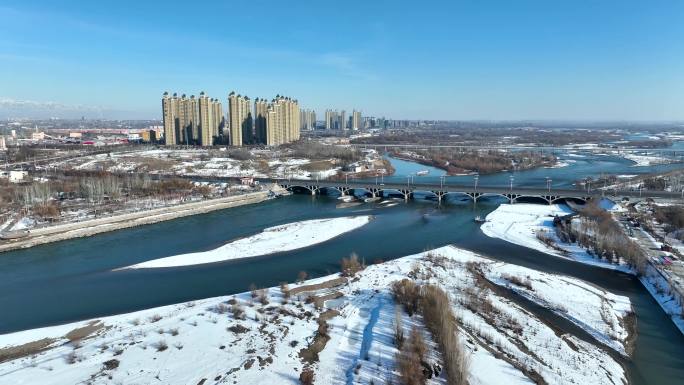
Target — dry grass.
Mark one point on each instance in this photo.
(410, 359)
(350, 266)
(25, 350)
(435, 306)
(79, 334)
(522, 282)
(319, 286)
(436, 310)
(407, 293)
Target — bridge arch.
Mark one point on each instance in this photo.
(531, 199)
(578, 200)
(507, 197)
(326, 189)
(296, 188)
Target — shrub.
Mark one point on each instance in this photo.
(237, 311)
(73, 358)
(306, 377)
(409, 360)
(398, 329)
(301, 277)
(350, 266)
(522, 282)
(221, 308)
(111, 364)
(407, 293)
(263, 296)
(161, 346)
(238, 329)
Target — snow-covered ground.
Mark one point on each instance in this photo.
(271, 240)
(209, 341)
(570, 298)
(200, 162)
(519, 223)
(646, 160)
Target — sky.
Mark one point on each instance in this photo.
(460, 60)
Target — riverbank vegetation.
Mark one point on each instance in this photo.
(92, 193)
(460, 161)
(602, 237)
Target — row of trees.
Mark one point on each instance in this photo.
(314, 150)
(456, 161)
(602, 237)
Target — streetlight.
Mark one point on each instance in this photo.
(548, 184)
(346, 180)
(441, 182)
(511, 178)
(477, 177)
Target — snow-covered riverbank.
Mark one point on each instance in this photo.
(646, 160)
(269, 339)
(519, 223)
(271, 240)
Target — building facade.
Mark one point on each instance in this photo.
(357, 122)
(240, 117)
(283, 121)
(307, 120)
(191, 121)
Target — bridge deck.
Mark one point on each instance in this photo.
(470, 189)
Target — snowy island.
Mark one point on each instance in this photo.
(341, 330)
(290, 236)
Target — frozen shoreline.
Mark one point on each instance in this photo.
(271, 240)
(518, 223)
(204, 339)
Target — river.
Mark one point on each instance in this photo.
(74, 280)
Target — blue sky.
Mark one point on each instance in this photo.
(486, 59)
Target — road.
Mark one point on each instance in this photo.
(674, 273)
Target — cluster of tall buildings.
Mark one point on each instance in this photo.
(200, 121)
(307, 120)
(278, 122)
(195, 121)
(335, 120)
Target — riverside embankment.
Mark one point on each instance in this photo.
(87, 228)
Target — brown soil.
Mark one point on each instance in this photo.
(84, 332)
(323, 285)
(28, 349)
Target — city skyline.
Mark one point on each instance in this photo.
(532, 60)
